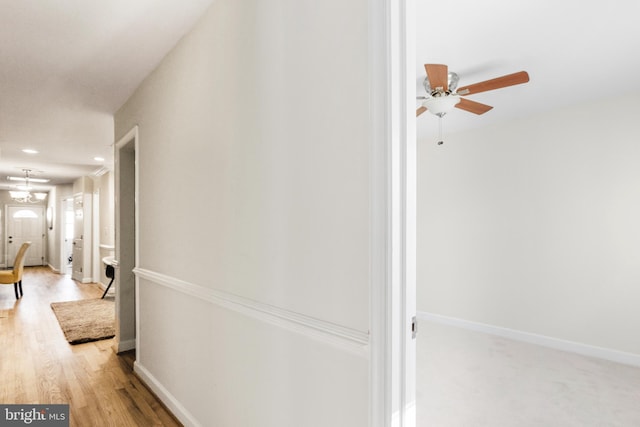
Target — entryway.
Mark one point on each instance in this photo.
(126, 195)
(25, 224)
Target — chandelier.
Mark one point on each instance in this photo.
(24, 195)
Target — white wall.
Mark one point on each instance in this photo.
(104, 184)
(535, 225)
(254, 216)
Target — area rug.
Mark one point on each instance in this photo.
(85, 320)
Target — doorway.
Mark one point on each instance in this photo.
(126, 228)
(25, 224)
(68, 219)
(78, 240)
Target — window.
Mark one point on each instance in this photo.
(25, 213)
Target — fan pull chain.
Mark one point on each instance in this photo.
(440, 141)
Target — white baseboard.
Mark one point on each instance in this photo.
(542, 340)
(176, 408)
(52, 268)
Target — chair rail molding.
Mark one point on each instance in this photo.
(347, 339)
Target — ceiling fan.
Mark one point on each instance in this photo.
(443, 93)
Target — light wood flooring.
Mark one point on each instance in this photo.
(38, 366)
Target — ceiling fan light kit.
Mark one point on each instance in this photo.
(441, 105)
(443, 94)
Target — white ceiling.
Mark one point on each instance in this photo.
(574, 51)
(66, 67)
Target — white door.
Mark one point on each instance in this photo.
(67, 251)
(25, 224)
(78, 252)
(78, 239)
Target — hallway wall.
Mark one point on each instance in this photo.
(254, 207)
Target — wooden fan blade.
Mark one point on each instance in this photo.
(497, 83)
(420, 111)
(438, 75)
(473, 106)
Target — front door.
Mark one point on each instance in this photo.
(25, 224)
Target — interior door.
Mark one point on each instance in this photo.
(25, 224)
(78, 239)
(68, 225)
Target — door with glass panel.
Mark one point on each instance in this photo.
(25, 224)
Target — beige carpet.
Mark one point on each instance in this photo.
(468, 378)
(85, 320)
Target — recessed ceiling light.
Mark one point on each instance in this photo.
(30, 151)
(99, 159)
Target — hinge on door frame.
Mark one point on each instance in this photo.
(414, 327)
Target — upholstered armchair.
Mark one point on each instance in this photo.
(8, 277)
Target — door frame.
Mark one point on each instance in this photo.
(96, 260)
(127, 321)
(393, 214)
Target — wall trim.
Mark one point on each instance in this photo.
(392, 213)
(542, 340)
(51, 267)
(167, 399)
(348, 339)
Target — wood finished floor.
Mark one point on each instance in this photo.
(38, 366)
